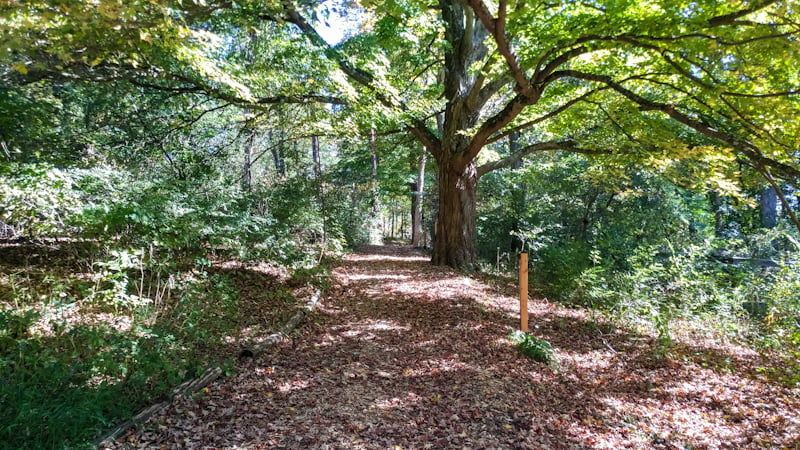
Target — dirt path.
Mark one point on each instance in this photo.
(404, 355)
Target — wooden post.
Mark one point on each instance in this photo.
(523, 292)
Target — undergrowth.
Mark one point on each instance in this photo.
(73, 365)
(534, 348)
(666, 291)
(108, 295)
(82, 352)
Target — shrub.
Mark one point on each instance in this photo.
(536, 349)
(38, 199)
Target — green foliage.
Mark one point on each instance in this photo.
(62, 383)
(348, 215)
(149, 240)
(38, 200)
(317, 276)
(183, 217)
(179, 216)
(536, 349)
(648, 253)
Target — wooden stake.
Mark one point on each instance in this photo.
(523, 292)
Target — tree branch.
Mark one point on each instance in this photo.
(732, 18)
(549, 115)
(497, 27)
(428, 139)
(768, 176)
(745, 147)
(509, 160)
(361, 76)
(495, 123)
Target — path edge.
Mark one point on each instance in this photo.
(211, 373)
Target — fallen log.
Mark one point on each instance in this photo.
(283, 332)
(186, 388)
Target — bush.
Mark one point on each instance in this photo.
(38, 200)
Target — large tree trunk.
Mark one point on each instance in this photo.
(454, 243)
(455, 227)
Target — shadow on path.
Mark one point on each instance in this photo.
(406, 355)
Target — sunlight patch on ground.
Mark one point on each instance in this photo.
(435, 366)
(708, 335)
(705, 409)
(379, 277)
(292, 385)
(362, 258)
(264, 370)
(70, 316)
(366, 328)
(264, 267)
(592, 360)
(410, 400)
(671, 421)
(451, 288)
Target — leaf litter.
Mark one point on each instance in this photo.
(402, 354)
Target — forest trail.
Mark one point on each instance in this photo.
(406, 355)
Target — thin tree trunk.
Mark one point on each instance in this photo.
(417, 199)
(374, 222)
(586, 220)
(716, 207)
(425, 234)
(765, 172)
(394, 216)
(247, 174)
(402, 225)
(769, 207)
(315, 155)
(250, 129)
(277, 158)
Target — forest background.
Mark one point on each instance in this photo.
(644, 153)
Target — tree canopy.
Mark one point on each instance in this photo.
(639, 80)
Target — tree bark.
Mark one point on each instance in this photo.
(320, 192)
(277, 158)
(769, 207)
(716, 207)
(250, 129)
(247, 174)
(455, 226)
(416, 202)
(315, 157)
(374, 222)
